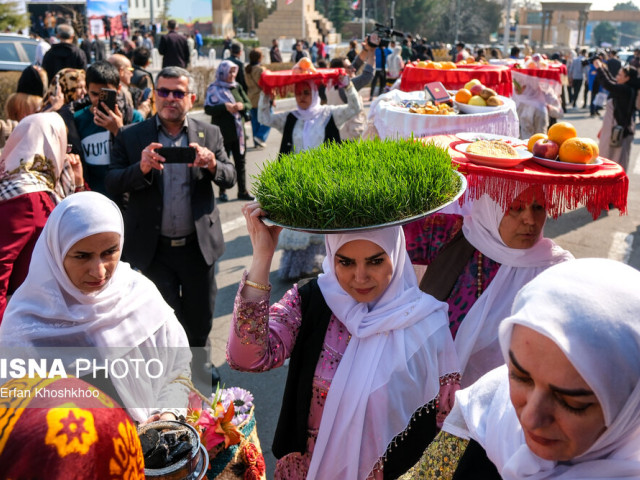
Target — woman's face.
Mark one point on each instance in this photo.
(521, 225)
(231, 76)
(363, 269)
(622, 76)
(90, 262)
(559, 413)
(80, 91)
(304, 95)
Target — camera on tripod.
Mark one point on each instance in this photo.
(381, 36)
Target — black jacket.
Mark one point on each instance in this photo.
(143, 215)
(63, 55)
(174, 49)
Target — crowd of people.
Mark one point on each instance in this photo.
(488, 366)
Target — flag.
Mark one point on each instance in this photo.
(289, 2)
(355, 4)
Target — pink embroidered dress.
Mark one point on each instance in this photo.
(262, 338)
(426, 238)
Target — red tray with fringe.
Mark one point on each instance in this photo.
(283, 81)
(563, 191)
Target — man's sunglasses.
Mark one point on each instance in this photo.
(164, 93)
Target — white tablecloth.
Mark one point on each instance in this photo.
(387, 120)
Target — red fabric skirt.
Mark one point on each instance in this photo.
(23, 218)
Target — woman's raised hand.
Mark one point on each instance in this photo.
(264, 239)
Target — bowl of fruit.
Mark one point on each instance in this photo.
(561, 149)
(476, 98)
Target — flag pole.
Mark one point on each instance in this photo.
(364, 3)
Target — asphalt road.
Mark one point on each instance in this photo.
(611, 236)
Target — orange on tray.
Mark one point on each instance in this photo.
(463, 95)
(575, 150)
(561, 131)
(594, 147)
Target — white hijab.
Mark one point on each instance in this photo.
(315, 119)
(477, 338)
(34, 155)
(49, 310)
(589, 309)
(400, 347)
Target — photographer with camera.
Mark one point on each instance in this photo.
(379, 39)
(618, 126)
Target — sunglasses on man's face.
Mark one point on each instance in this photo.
(164, 93)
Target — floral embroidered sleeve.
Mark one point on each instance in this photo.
(262, 337)
(425, 238)
(440, 460)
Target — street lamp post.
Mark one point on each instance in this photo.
(507, 28)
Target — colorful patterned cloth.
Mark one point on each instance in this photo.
(440, 460)
(426, 238)
(44, 434)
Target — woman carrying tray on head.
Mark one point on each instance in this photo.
(308, 126)
(477, 264)
(370, 356)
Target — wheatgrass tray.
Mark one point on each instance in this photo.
(357, 185)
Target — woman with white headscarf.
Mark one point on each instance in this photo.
(567, 404)
(79, 294)
(477, 264)
(229, 107)
(36, 172)
(369, 355)
(308, 126)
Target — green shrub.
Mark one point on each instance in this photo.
(356, 184)
(8, 85)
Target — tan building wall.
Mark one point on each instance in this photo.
(564, 24)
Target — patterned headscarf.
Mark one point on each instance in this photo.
(220, 92)
(69, 80)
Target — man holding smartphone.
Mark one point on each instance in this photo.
(172, 224)
(96, 124)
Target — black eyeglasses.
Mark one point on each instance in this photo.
(178, 94)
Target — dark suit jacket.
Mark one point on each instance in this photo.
(143, 215)
(174, 49)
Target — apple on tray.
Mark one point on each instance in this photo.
(477, 89)
(471, 83)
(545, 148)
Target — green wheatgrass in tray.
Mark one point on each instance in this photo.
(356, 184)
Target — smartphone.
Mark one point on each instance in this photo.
(146, 94)
(108, 96)
(177, 154)
(56, 85)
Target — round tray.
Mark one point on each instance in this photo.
(463, 187)
(473, 109)
(475, 136)
(493, 161)
(572, 167)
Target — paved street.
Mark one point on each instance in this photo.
(610, 236)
